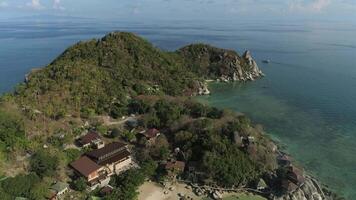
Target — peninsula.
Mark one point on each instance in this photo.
(109, 114)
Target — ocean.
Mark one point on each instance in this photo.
(306, 102)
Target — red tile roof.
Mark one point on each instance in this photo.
(89, 137)
(106, 190)
(85, 166)
(117, 157)
(175, 165)
(107, 151)
(151, 133)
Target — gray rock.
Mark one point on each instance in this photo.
(203, 89)
(310, 190)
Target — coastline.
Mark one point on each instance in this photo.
(318, 192)
(326, 191)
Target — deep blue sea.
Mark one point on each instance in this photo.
(306, 102)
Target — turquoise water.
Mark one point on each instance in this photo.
(307, 101)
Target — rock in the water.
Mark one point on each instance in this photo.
(203, 89)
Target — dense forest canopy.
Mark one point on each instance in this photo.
(100, 76)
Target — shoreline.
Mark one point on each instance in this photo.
(282, 148)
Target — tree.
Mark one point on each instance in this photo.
(44, 164)
(149, 167)
(102, 129)
(215, 113)
(138, 106)
(128, 136)
(39, 191)
(87, 113)
(72, 154)
(115, 132)
(198, 110)
(118, 110)
(20, 185)
(230, 168)
(167, 112)
(4, 195)
(126, 185)
(79, 184)
(151, 120)
(12, 134)
(161, 148)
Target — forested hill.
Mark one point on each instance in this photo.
(95, 85)
(102, 75)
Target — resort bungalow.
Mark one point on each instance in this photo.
(106, 190)
(91, 139)
(114, 157)
(98, 165)
(59, 189)
(151, 135)
(87, 168)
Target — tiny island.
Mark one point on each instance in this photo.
(116, 118)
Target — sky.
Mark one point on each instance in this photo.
(183, 9)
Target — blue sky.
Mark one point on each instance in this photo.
(183, 9)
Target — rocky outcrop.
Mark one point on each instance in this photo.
(310, 190)
(252, 70)
(240, 69)
(203, 89)
(224, 65)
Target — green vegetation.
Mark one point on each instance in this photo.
(44, 164)
(12, 133)
(122, 74)
(28, 186)
(126, 184)
(100, 76)
(206, 139)
(79, 184)
(72, 154)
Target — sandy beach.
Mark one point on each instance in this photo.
(153, 191)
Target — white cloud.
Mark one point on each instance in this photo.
(57, 5)
(3, 4)
(313, 6)
(35, 4)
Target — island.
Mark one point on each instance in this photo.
(111, 114)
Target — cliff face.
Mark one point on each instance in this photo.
(222, 64)
(311, 190)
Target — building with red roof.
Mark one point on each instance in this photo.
(150, 135)
(91, 138)
(98, 165)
